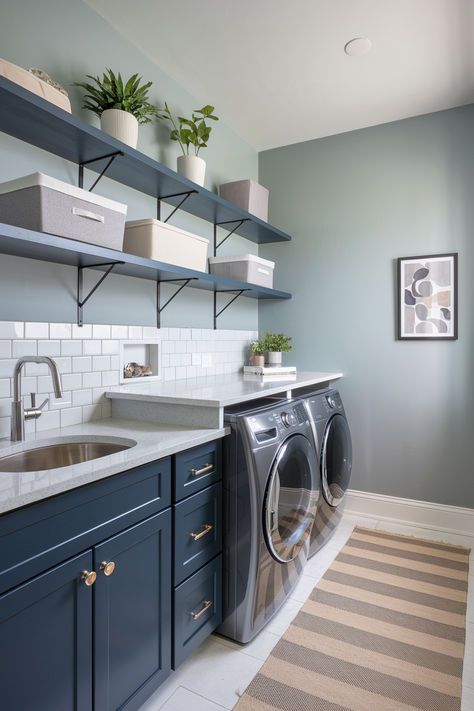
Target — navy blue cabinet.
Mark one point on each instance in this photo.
(132, 614)
(46, 641)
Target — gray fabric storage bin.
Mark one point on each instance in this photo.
(38, 202)
(244, 267)
(248, 195)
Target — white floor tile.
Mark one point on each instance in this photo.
(470, 601)
(217, 672)
(303, 589)
(468, 668)
(467, 702)
(185, 700)
(320, 562)
(260, 647)
(283, 618)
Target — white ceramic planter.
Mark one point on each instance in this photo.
(274, 358)
(121, 125)
(193, 168)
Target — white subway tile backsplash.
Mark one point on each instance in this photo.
(89, 362)
(60, 330)
(71, 348)
(81, 364)
(49, 348)
(36, 330)
(24, 348)
(12, 329)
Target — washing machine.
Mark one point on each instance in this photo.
(333, 447)
(271, 489)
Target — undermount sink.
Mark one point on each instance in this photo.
(63, 454)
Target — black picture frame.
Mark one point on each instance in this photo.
(405, 294)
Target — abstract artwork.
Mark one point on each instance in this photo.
(427, 297)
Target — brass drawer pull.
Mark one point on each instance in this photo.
(108, 568)
(89, 577)
(206, 468)
(197, 536)
(197, 615)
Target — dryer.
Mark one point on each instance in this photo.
(333, 446)
(271, 488)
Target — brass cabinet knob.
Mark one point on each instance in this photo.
(108, 568)
(89, 577)
(196, 615)
(196, 536)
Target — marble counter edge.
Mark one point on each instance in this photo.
(95, 470)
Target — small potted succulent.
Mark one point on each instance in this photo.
(257, 353)
(274, 344)
(191, 132)
(121, 105)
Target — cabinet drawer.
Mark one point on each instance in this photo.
(197, 468)
(197, 609)
(41, 535)
(197, 531)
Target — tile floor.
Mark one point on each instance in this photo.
(214, 677)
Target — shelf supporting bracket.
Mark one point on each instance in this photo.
(225, 291)
(110, 156)
(80, 300)
(159, 308)
(165, 197)
(221, 224)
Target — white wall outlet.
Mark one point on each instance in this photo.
(206, 360)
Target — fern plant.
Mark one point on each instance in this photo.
(111, 92)
(190, 132)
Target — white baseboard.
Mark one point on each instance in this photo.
(439, 517)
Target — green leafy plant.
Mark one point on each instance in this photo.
(275, 342)
(190, 132)
(257, 347)
(111, 92)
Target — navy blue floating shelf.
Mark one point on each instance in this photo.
(20, 242)
(38, 122)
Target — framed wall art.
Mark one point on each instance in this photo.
(428, 297)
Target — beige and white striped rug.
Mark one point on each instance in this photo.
(383, 630)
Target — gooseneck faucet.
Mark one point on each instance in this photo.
(19, 414)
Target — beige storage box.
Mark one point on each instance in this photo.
(39, 202)
(37, 86)
(248, 195)
(157, 240)
(244, 267)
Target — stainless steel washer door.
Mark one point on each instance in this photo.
(336, 459)
(291, 498)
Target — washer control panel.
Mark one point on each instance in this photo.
(288, 418)
(268, 425)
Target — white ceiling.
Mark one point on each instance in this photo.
(276, 70)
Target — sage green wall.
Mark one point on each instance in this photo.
(353, 204)
(69, 40)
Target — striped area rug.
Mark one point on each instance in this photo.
(383, 630)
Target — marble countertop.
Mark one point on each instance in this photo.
(153, 442)
(218, 390)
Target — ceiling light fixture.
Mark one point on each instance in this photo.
(358, 46)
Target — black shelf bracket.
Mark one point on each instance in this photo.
(159, 308)
(110, 156)
(80, 300)
(165, 197)
(225, 291)
(222, 224)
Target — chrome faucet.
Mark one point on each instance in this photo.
(19, 414)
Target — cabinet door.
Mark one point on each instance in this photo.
(132, 614)
(46, 641)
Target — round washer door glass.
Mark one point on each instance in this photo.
(291, 497)
(336, 459)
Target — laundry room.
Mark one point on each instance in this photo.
(236, 382)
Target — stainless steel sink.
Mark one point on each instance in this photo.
(64, 454)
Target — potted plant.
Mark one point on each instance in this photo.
(274, 344)
(121, 106)
(257, 353)
(191, 132)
